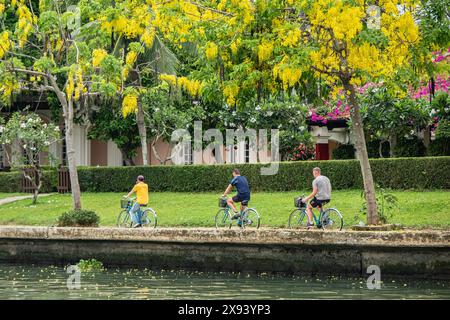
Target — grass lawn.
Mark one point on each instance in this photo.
(417, 209)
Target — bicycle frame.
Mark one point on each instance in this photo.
(316, 220)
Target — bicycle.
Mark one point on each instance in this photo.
(330, 218)
(124, 220)
(248, 218)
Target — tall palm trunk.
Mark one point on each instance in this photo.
(361, 149)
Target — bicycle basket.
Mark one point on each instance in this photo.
(124, 203)
(222, 202)
(298, 203)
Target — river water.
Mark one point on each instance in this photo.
(38, 282)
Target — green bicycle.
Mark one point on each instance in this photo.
(249, 218)
(148, 216)
(330, 219)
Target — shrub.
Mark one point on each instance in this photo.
(440, 147)
(90, 265)
(10, 181)
(344, 152)
(412, 147)
(79, 218)
(394, 173)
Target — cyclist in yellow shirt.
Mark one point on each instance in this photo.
(141, 190)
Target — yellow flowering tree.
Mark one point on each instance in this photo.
(255, 47)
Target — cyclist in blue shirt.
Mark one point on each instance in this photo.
(243, 192)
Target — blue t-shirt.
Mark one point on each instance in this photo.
(241, 184)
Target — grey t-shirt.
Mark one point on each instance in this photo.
(323, 188)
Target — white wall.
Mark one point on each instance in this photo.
(114, 155)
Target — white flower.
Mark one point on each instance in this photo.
(57, 129)
(433, 112)
(258, 107)
(45, 125)
(269, 113)
(252, 120)
(23, 125)
(1, 129)
(302, 128)
(24, 146)
(411, 132)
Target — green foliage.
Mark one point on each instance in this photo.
(387, 204)
(79, 218)
(90, 265)
(439, 147)
(344, 152)
(412, 147)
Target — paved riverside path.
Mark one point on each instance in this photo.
(18, 198)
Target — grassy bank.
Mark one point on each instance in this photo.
(417, 209)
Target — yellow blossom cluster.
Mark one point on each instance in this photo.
(25, 22)
(291, 38)
(366, 58)
(131, 58)
(97, 57)
(129, 104)
(7, 87)
(2, 8)
(148, 37)
(75, 85)
(342, 18)
(5, 44)
(265, 50)
(211, 50)
(289, 75)
(230, 91)
(192, 87)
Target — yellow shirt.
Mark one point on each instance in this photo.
(141, 190)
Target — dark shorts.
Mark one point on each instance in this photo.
(318, 203)
(243, 198)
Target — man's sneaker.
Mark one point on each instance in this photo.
(309, 225)
(137, 225)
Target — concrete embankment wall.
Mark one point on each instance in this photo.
(406, 253)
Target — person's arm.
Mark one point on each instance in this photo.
(313, 193)
(228, 189)
(130, 193)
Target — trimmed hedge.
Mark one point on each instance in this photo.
(10, 181)
(399, 173)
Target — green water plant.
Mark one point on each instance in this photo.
(90, 265)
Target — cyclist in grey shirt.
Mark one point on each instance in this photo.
(320, 195)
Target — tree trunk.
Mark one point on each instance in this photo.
(142, 133)
(68, 113)
(71, 161)
(427, 138)
(392, 144)
(361, 149)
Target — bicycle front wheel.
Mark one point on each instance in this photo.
(223, 219)
(332, 219)
(297, 219)
(123, 220)
(250, 218)
(149, 218)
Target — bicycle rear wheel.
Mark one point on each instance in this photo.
(223, 218)
(250, 218)
(123, 220)
(332, 219)
(298, 219)
(149, 218)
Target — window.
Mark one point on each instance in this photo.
(247, 152)
(184, 155)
